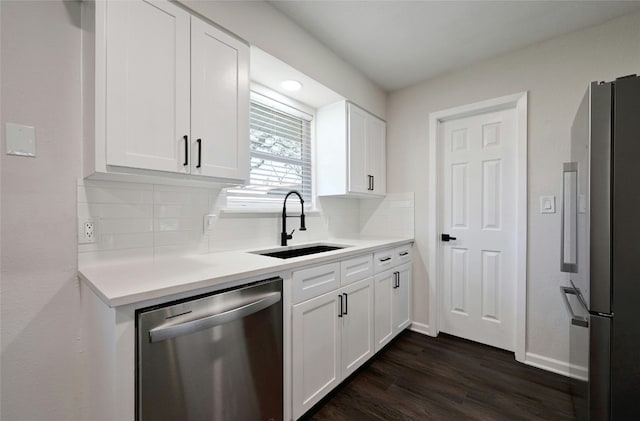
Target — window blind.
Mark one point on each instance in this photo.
(280, 156)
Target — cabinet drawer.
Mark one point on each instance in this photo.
(402, 254)
(355, 269)
(313, 281)
(383, 260)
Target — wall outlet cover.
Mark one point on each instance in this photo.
(87, 232)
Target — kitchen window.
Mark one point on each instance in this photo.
(280, 154)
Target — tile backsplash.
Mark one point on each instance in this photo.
(135, 220)
(141, 220)
(390, 217)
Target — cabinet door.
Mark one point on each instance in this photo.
(219, 103)
(315, 350)
(376, 154)
(147, 74)
(357, 132)
(357, 325)
(402, 299)
(383, 284)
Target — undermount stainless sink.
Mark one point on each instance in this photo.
(290, 252)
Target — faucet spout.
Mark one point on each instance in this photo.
(283, 235)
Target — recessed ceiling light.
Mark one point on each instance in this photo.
(291, 85)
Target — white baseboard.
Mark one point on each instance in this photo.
(556, 366)
(421, 328)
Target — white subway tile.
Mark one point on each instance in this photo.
(177, 224)
(124, 225)
(125, 241)
(168, 238)
(105, 256)
(102, 195)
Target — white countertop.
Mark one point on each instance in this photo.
(119, 284)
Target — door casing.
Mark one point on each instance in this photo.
(519, 103)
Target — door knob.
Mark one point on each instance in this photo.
(446, 237)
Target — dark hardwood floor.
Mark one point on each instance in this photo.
(418, 377)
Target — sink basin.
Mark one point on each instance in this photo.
(299, 251)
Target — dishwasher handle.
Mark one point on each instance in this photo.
(162, 333)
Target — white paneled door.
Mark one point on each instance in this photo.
(478, 208)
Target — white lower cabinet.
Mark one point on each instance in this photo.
(357, 325)
(316, 349)
(383, 283)
(332, 335)
(342, 314)
(392, 303)
(401, 302)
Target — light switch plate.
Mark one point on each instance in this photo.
(547, 204)
(21, 140)
(208, 223)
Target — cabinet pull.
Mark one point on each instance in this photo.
(404, 253)
(186, 150)
(385, 259)
(346, 303)
(370, 182)
(340, 296)
(396, 280)
(373, 182)
(199, 152)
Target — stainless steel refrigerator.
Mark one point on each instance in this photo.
(600, 251)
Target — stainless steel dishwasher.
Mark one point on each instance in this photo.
(213, 357)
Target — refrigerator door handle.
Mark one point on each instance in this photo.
(575, 319)
(569, 218)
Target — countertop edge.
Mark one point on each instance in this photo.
(271, 266)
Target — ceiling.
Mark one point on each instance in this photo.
(400, 43)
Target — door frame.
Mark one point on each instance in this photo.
(518, 102)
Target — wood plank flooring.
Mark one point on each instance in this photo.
(418, 377)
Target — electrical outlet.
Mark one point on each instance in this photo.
(87, 232)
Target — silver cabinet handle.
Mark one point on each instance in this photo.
(385, 259)
(404, 253)
(165, 332)
(575, 320)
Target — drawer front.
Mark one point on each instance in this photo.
(383, 260)
(403, 254)
(314, 281)
(355, 269)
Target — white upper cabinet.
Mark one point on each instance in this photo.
(359, 178)
(219, 103)
(377, 155)
(165, 94)
(147, 76)
(351, 146)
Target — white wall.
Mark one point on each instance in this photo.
(556, 74)
(262, 25)
(40, 46)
